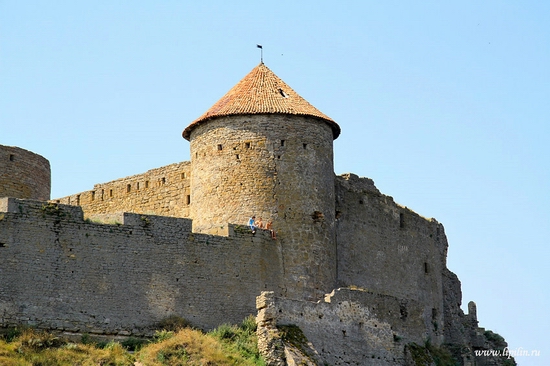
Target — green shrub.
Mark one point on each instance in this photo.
(174, 323)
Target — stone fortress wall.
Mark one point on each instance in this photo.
(24, 174)
(162, 191)
(156, 266)
(62, 272)
(389, 249)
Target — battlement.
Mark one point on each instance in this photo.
(74, 214)
(162, 191)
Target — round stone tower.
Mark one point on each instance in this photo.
(263, 150)
(24, 174)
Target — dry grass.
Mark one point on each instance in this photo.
(228, 345)
(188, 347)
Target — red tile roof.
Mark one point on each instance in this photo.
(262, 92)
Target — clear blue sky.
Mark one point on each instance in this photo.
(444, 104)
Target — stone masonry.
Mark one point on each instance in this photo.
(62, 272)
(162, 191)
(24, 174)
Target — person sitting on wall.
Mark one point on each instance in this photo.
(251, 223)
(269, 226)
(259, 224)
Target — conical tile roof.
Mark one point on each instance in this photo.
(261, 92)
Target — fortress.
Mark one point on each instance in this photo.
(363, 277)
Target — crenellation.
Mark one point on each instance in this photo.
(161, 191)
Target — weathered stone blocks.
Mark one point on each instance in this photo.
(24, 174)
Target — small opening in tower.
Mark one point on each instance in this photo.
(110, 193)
(317, 216)
(247, 145)
(128, 188)
(283, 94)
(183, 175)
(188, 199)
(237, 156)
(162, 180)
(146, 184)
(78, 200)
(220, 147)
(278, 156)
(102, 194)
(2, 245)
(12, 157)
(401, 220)
(93, 195)
(305, 146)
(426, 269)
(282, 142)
(137, 186)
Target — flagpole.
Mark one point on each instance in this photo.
(261, 52)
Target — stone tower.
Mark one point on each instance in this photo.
(263, 150)
(24, 174)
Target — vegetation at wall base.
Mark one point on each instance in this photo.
(225, 345)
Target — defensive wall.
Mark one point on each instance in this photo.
(141, 268)
(162, 191)
(24, 174)
(353, 326)
(349, 325)
(62, 272)
(389, 249)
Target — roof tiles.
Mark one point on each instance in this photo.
(261, 92)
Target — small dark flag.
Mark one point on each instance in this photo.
(259, 46)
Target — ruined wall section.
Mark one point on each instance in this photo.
(349, 327)
(24, 174)
(61, 272)
(162, 191)
(389, 249)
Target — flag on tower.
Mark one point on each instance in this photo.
(259, 46)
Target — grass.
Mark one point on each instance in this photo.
(226, 345)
